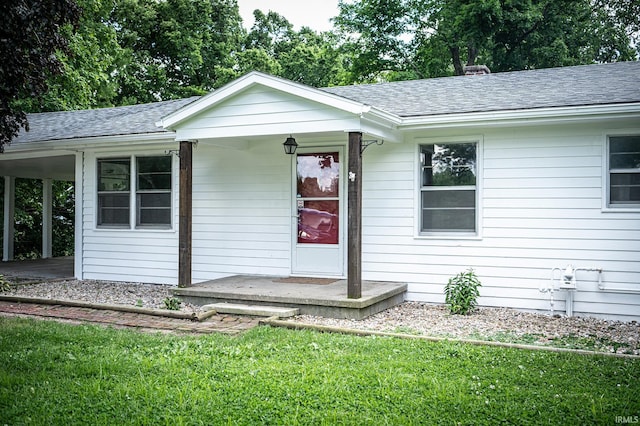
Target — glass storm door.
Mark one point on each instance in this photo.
(318, 245)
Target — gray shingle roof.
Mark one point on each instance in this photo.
(127, 120)
(553, 87)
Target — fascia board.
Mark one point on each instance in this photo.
(257, 78)
(381, 128)
(522, 117)
(23, 155)
(93, 142)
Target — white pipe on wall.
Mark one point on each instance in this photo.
(568, 282)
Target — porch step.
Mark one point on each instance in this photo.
(255, 310)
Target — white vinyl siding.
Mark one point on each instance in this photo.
(539, 205)
(260, 111)
(242, 219)
(127, 254)
(541, 192)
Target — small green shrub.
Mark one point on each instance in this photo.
(4, 284)
(172, 303)
(461, 292)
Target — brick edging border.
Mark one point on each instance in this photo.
(103, 306)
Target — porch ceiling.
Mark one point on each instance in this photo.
(60, 167)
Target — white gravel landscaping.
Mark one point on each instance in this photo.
(410, 317)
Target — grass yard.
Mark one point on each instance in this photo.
(53, 373)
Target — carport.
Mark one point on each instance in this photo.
(53, 166)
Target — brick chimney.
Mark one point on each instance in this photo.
(476, 70)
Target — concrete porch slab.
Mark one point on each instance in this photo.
(327, 299)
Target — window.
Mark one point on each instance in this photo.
(624, 171)
(114, 192)
(152, 192)
(448, 188)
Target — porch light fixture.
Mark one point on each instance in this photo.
(290, 145)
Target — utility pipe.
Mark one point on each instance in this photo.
(601, 287)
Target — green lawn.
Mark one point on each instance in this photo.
(54, 373)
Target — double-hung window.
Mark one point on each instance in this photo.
(624, 171)
(150, 178)
(448, 188)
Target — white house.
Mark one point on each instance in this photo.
(530, 178)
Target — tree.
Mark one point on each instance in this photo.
(307, 57)
(30, 37)
(404, 39)
(374, 30)
(314, 59)
(177, 48)
(92, 57)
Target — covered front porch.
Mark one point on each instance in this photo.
(325, 297)
(246, 207)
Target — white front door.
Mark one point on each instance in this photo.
(318, 246)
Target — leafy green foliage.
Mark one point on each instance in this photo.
(407, 39)
(54, 373)
(172, 303)
(4, 284)
(30, 36)
(375, 31)
(176, 48)
(461, 292)
(28, 218)
(306, 57)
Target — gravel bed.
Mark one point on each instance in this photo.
(105, 292)
(498, 324)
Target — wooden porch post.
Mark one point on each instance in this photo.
(354, 218)
(185, 215)
(9, 218)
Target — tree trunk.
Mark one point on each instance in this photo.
(472, 54)
(457, 65)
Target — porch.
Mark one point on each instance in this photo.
(312, 296)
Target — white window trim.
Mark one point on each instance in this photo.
(110, 227)
(133, 195)
(135, 199)
(418, 234)
(606, 175)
